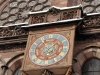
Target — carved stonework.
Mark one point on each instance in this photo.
(55, 14)
(69, 14)
(12, 31)
(90, 24)
(38, 19)
(92, 21)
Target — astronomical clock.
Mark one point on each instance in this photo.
(49, 45)
(48, 49)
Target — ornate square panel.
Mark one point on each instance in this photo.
(49, 48)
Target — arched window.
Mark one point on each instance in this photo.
(91, 67)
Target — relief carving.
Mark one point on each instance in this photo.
(39, 19)
(90, 22)
(54, 11)
(69, 14)
(4, 32)
(54, 14)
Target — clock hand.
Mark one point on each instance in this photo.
(51, 47)
(53, 44)
(45, 44)
(47, 47)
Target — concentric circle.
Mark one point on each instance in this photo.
(49, 49)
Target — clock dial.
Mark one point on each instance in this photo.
(48, 49)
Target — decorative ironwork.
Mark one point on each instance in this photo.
(91, 6)
(16, 10)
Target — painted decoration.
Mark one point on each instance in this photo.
(49, 49)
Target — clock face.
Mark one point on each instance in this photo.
(48, 49)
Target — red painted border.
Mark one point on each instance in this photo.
(55, 62)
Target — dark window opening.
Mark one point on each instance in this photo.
(91, 67)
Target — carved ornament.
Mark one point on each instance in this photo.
(93, 21)
(55, 14)
(9, 31)
(90, 24)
